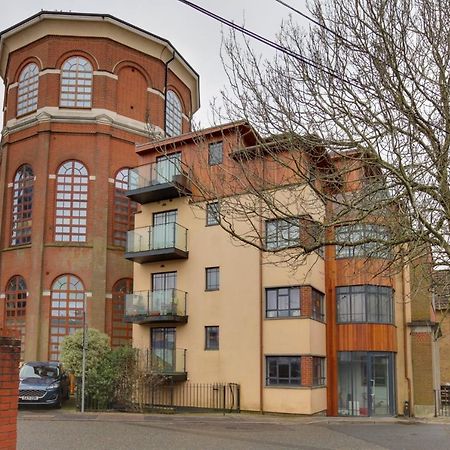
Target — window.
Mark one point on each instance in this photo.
(27, 91)
(283, 371)
(66, 311)
(22, 205)
(173, 114)
(212, 278)
(120, 330)
(212, 214)
(371, 235)
(364, 304)
(319, 376)
(212, 338)
(215, 153)
(282, 233)
(283, 302)
(16, 307)
(76, 83)
(318, 305)
(71, 202)
(124, 209)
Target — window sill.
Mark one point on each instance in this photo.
(16, 247)
(211, 349)
(212, 290)
(303, 387)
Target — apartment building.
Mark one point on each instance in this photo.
(80, 91)
(330, 334)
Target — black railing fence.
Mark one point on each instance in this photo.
(169, 395)
(443, 401)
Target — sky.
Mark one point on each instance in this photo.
(196, 36)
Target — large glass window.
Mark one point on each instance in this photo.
(76, 83)
(66, 311)
(283, 302)
(283, 371)
(120, 330)
(364, 303)
(27, 91)
(124, 209)
(22, 205)
(71, 202)
(16, 307)
(371, 237)
(174, 118)
(282, 233)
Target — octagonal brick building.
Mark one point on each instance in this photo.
(80, 91)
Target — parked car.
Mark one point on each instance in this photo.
(43, 383)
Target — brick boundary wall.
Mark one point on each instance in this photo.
(9, 388)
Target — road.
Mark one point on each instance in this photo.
(45, 430)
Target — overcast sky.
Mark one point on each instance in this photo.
(196, 36)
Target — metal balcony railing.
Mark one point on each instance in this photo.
(156, 306)
(165, 361)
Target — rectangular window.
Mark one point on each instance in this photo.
(283, 371)
(364, 303)
(215, 153)
(283, 302)
(212, 214)
(212, 278)
(371, 238)
(319, 376)
(282, 233)
(318, 305)
(212, 338)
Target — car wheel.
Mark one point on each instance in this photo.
(58, 404)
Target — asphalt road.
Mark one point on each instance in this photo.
(42, 430)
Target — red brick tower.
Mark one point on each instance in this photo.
(80, 91)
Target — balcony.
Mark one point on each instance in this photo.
(161, 306)
(157, 243)
(170, 363)
(157, 181)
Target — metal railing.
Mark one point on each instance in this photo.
(167, 302)
(152, 174)
(157, 237)
(443, 401)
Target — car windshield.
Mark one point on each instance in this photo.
(28, 371)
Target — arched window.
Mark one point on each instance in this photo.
(76, 83)
(27, 92)
(120, 330)
(71, 202)
(22, 205)
(16, 306)
(66, 311)
(173, 114)
(124, 209)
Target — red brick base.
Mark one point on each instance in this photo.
(9, 386)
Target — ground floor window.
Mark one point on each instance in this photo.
(366, 383)
(283, 371)
(319, 377)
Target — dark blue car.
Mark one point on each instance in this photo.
(43, 383)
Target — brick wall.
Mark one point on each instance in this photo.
(9, 385)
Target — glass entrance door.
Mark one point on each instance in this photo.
(163, 349)
(366, 384)
(164, 224)
(167, 167)
(163, 292)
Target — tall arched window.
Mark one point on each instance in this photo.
(124, 209)
(71, 202)
(66, 311)
(173, 114)
(76, 83)
(27, 92)
(120, 330)
(16, 306)
(22, 205)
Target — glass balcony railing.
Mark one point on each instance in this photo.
(157, 181)
(167, 305)
(165, 361)
(157, 243)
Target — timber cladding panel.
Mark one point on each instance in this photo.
(367, 337)
(9, 388)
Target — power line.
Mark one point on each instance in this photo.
(270, 43)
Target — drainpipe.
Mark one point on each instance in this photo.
(261, 308)
(166, 69)
(405, 344)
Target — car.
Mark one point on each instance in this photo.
(43, 383)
